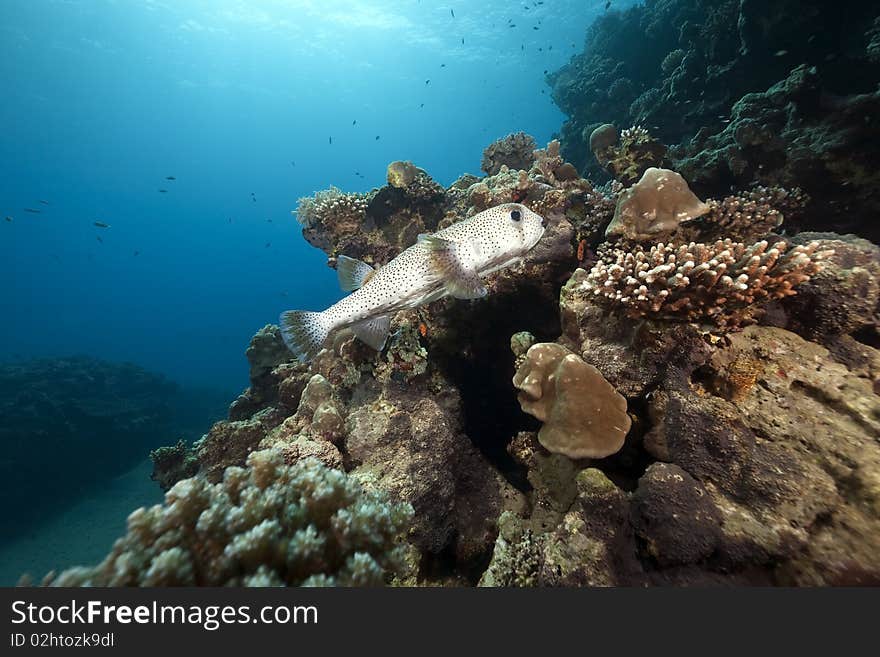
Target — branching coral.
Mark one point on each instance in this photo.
(330, 206)
(746, 216)
(515, 151)
(583, 415)
(720, 282)
(266, 525)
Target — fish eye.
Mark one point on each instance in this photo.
(515, 214)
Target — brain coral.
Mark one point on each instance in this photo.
(583, 415)
(269, 524)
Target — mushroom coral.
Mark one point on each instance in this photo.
(583, 415)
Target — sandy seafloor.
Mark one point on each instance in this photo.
(83, 533)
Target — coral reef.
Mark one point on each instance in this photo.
(515, 151)
(724, 283)
(269, 524)
(654, 207)
(74, 421)
(701, 393)
(769, 93)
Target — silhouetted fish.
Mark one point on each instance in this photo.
(268, 244)
(452, 12)
(163, 191)
(354, 122)
(170, 178)
(8, 218)
(137, 253)
(101, 224)
(100, 240)
(33, 210)
(377, 137)
(331, 140)
(427, 81)
(421, 105)
(44, 202)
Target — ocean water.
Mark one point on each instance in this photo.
(161, 147)
(238, 101)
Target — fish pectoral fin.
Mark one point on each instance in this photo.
(374, 331)
(459, 281)
(352, 274)
(469, 287)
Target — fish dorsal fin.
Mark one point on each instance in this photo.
(373, 332)
(353, 274)
(459, 280)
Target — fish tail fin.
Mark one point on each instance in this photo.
(304, 332)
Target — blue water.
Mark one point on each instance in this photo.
(103, 99)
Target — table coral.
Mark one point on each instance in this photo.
(269, 524)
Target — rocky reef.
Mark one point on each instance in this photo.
(70, 422)
(744, 92)
(693, 401)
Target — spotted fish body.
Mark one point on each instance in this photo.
(450, 262)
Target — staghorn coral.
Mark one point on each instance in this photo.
(515, 151)
(267, 525)
(654, 207)
(721, 282)
(583, 415)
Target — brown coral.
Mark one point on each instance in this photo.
(583, 415)
(720, 282)
(654, 207)
(515, 151)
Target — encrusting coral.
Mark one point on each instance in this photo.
(269, 524)
(583, 415)
(722, 282)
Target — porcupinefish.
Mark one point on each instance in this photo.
(450, 262)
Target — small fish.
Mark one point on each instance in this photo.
(170, 178)
(450, 262)
(421, 105)
(136, 254)
(608, 5)
(8, 218)
(512, 25)
(33, 210)
(377, 137)
(163, 191)
(44, 202)
(230, 219)
(452, 12)
(330, 140)
(462, 40)
(781, 53)
(292, 163)
(427, 82)
(99, 239)
(442, 65)
(354, 122)
(268, 244)
(269, 220)
(535, 27)
(101, 224)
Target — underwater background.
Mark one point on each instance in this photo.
(175, 175)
